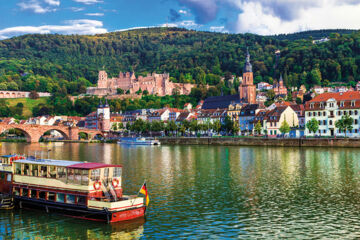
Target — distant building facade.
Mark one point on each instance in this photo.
(157, 84)
(21, 94)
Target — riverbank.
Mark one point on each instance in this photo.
(276, 142)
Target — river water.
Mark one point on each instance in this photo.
(211, 192)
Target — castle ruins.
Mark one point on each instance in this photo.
(156, 84)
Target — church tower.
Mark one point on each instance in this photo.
(247, 89)
(103, 116)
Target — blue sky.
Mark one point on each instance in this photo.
(264, 17)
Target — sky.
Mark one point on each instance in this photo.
(264, 17)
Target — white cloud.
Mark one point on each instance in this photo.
(88, 2)
(184, 24)
(77, 9)
(80, 26)
(53, 2)
(34, 6)
(95, 14)
(183, 12)
(218, 29)
(258, 19)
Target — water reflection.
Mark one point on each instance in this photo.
(216, 192)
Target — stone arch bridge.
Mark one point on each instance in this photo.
(33, 132)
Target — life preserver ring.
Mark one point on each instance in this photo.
(115, 183)
(97, 185)
(11, 160)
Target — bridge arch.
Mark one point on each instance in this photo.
(63, 133)
(27, 135)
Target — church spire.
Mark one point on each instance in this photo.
(247, 66)
(100, 104)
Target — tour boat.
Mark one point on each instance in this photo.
(84, 190)
(139, 141)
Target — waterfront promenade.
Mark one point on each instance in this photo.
(252, 141)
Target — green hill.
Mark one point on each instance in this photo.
(68, 64)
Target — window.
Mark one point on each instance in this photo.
(26, 169)
(17, 168)
(16, 191)
(319, 114)
(8, 177)
(60, 197)
(25, 192)
(339, 113)
(61, 173)
(311, 105)
(324, 122)
(341, 103)
(35, 170)
(81, 200)
(314, 114)
(324, 114)
(117, 172)
(324, 131)
(353, 103)
(33, 194)
(356, 112)
(70, 198)
(77, 176)
(43, 171)
(95, 174)
(350, 113)
(70, 174)
(51, 196)
(85, 177)
(42, 195)
(356, 121)
(330, 122)
(356, 131)
(52, 171)
(106, 172)
(309, 114)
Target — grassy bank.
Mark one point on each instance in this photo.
(29, 104)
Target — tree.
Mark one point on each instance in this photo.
(228, 124)
(312, 125)
(284, 128)
(120, 91)
(258, 128)
(216, 126)
(33, 95)
(345, 123)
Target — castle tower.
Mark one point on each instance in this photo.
(102, 79)
(247, 89)
(103, 116)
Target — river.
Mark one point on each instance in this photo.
(205, 192)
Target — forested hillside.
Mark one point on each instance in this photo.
(68, 64)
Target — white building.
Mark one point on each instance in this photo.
(328, 108)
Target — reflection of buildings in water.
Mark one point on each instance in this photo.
(31, 224)
(107, 153)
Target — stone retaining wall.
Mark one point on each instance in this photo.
(323, 142)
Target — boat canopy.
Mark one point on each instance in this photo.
(92, 165)
(50, 162)
(9, 156)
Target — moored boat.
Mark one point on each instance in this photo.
(139, 141)
(84, 190)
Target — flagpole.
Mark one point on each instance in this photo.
(138, 192)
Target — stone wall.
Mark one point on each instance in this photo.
(323, 142)
(20, 94)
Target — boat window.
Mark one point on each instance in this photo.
(16, 191)
(33, 194)
(81, 200)
(17, 168)
(26, 169)
(77, 176)
(70, 174)
(51, 196)
(117, 172)
(43, 171)
(95, 174)
(60, 197)
(35, 170)
(70, 198)
(8, 177)
(2, 176)
(52, 171)
(106, 172)
(25, 192)
(61, 173)
(85, 177)
(42, 195)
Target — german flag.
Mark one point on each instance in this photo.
(143, 190)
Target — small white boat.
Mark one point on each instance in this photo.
(139, 141)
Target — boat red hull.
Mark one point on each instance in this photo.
(128, 214)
